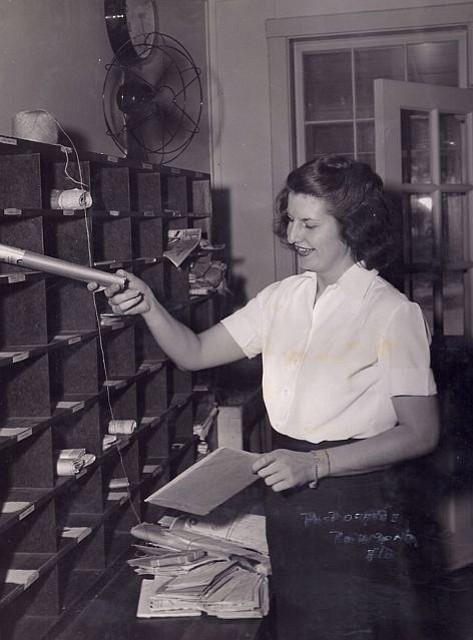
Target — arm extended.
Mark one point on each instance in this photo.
(188, 350)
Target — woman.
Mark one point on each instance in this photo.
(350, 395)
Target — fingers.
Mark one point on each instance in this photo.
(109, 291)
(133, 299)
(270, 469)
(275, 477)
(263, 461)
(123, 298)
(282, 469)
(284, 485)
(112, 289)
(126, 301)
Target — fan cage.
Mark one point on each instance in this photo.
(186, 98)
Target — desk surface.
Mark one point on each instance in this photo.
(111, 615)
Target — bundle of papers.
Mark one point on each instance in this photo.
(207, 275)
(181, 243)
(166, 539)
(216, 564)
(194, 583)
(223, 589)
(69, 462)
(247, 530)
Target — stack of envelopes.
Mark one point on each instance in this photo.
(196, 574)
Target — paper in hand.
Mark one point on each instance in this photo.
(208, 483)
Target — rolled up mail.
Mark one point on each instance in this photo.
(55, 266)
(108, 440)
(68, 467)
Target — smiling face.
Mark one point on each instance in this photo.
(315, 236)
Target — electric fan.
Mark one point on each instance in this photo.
(153, 104)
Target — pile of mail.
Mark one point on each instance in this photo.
(203, 565)
(207, 276)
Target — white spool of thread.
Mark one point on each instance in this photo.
(35, 125)
(70, 199)
(124, 427)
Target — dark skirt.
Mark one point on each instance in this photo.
(352, 558)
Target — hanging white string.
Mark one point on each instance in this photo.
(83, 185)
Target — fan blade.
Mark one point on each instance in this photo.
(154, 127)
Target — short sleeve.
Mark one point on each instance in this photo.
(246, 325)
(404, 352)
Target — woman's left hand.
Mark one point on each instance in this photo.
(282, 469)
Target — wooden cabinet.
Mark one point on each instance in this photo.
(58, 535)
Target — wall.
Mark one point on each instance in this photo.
(241, 117)
(185, 20)
(54, 54)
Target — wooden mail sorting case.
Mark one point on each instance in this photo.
(58, 534)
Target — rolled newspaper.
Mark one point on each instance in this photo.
(55, 266)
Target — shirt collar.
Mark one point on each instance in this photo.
(354, 282)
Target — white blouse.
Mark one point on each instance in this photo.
(330, 369)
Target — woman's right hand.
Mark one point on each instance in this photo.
(136, 298)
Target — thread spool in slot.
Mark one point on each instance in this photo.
(70, 199)
(123, 427)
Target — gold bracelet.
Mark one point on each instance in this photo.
(315, 481)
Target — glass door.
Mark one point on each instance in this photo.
(424, 154)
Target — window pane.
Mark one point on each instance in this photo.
(327, 85)
(423, 294)
(415, 142)
(372, 63)
(453, 304)
(365, 143)
(328, 138)
(453, 212)
(365, 136)
(421, 228)
(433, 62)
(369, 158)
(452, 148)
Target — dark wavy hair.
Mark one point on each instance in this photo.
(355, 197)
